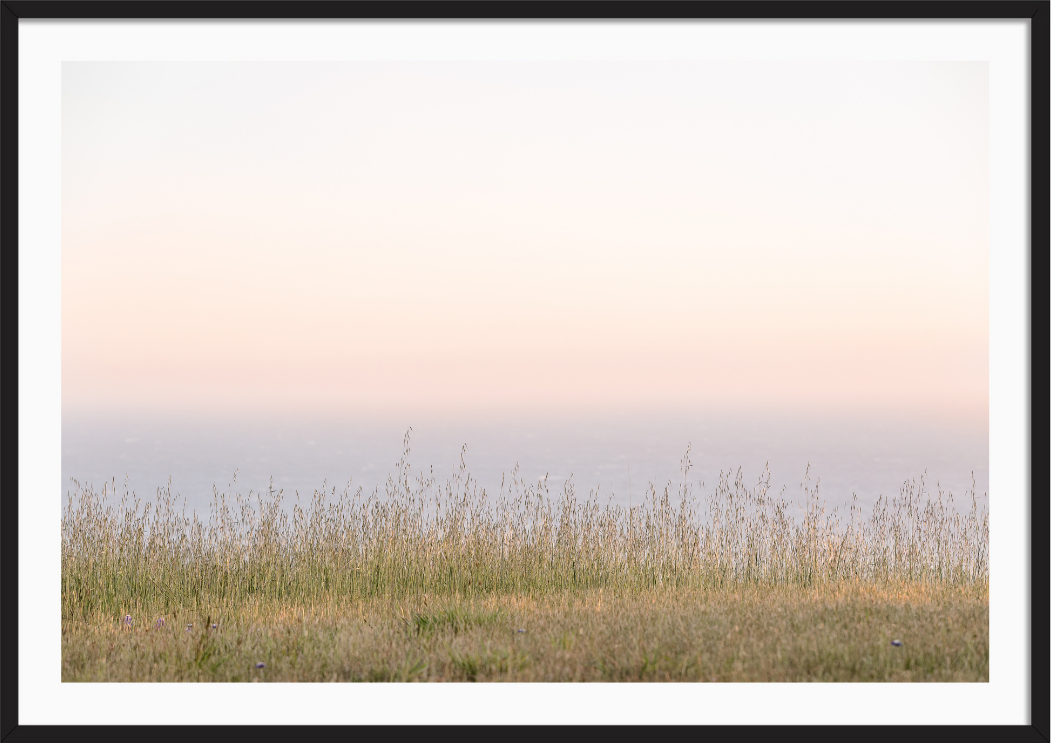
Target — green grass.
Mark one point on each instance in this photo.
(432, 582)
(455, 620)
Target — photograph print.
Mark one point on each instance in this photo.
(525, 371)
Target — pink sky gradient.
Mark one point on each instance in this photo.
(535, 235)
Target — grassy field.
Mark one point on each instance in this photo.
(434, 582)
(748, 634)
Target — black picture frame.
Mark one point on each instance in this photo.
(12, 11)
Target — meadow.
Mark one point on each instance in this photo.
(434, 581)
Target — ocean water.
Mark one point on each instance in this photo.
(615, 456)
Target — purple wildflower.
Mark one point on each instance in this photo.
(127, 619)
(896, 643)
(159, 623)
(260, 665)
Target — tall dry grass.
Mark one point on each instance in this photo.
(419, 536)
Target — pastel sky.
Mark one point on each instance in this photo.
(488, 236)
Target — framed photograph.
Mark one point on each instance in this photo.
(521, 363)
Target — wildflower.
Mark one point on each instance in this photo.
(260, 664)
(159, 623)
(189, 627)
(127, 619)
(214, 625)
(521, 631)
(896, 643)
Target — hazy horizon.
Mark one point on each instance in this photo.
(618, 456)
